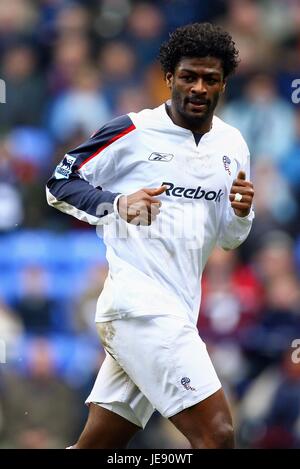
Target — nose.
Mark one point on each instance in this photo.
(199, 87)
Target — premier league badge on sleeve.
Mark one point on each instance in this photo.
(64, 168)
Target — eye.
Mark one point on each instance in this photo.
(188, 78)
(212, 81)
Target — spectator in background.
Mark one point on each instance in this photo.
(232, 296)
(84, 315)
(11, 207)
(282, 421)
(289, 164)
(274, 257)
(245, 22)
(155, 89)
(281, 19)
(34, 306)
(232, 303)
(132, 98)
(25, 88)
(269, 413)
(145, 31)
(276, 207)
(71, 54)
(178, 12)
(117, 62)
(30, 149)
(73, 19)
(11, 211)
(265, 119)
(282, 206)
(280, 322)
(267, 340)
(83, 107)
(17, 18)
(29, 400)
(11, 330)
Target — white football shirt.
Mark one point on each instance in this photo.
(156, 269)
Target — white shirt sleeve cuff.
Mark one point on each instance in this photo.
(248, 218)
(116, 212)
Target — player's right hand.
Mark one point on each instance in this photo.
(142, 207)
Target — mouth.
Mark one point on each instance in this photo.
(198, 105)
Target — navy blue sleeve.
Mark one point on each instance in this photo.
(80, 194)
(69, 192)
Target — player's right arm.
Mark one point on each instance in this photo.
(76, 184)
(75, 187)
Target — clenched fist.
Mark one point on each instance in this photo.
(245, 189)
(142, 207)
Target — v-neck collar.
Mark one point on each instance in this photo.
(196, 135)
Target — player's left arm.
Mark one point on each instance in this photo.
(237, 216)
(245, 188)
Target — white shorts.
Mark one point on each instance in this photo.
(153, 362)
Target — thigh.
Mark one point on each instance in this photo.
(105, 430)
(206, 421)
(117, 409)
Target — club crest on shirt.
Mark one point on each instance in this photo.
(161, 156)
(64, 168)
(227, 162)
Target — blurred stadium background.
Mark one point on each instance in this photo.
(69, 66)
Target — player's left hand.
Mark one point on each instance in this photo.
(245, 188)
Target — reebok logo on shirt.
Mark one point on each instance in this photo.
(190, 193)
(161, 156)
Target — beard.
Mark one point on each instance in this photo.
(194, 119)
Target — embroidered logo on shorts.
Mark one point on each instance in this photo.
(186, 384)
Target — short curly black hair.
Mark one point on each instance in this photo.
(199, 40)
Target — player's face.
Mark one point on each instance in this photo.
(195, 87)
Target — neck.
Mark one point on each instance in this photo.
(196, 125)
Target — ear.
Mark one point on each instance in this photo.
(223, 86)
(169, 80)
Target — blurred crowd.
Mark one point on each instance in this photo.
(70, 66)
